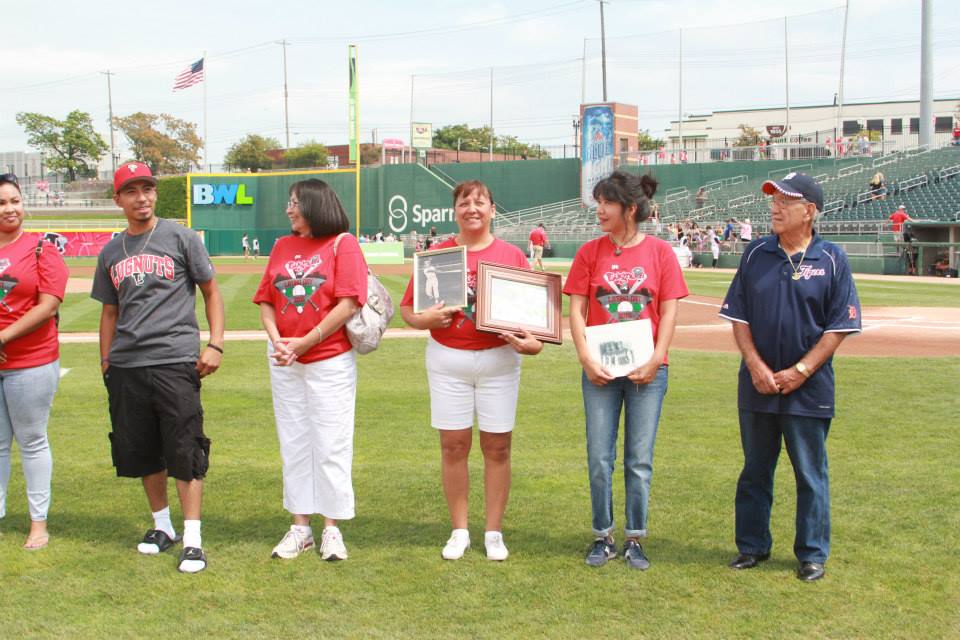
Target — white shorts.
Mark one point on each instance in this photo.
(314, 409)
(465, 382)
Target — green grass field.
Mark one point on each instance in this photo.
(893, 572)
(80, 313)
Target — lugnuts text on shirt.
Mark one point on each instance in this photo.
(139, 266)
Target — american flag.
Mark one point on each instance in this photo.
(190, 76)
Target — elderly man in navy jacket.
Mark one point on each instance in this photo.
(791, 303)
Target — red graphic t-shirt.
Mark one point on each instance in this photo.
(303, 282)
(538, 237)
(462, 333)
(625, 287)
(23, 276)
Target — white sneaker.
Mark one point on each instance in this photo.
(458, 543)
(496, 550)
(331, 545)
(294, 542)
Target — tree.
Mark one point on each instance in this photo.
(478, 139)
(308, 154)
(251, 153)
(749, 137)
(646, 142)
(167, 144)
(69, 144)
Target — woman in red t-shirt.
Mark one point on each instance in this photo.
(622, 276)
(33, 279)
(470, 372)
(315, 280)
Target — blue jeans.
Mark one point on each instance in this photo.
(26, 396)
(806, 439)
(602, 406)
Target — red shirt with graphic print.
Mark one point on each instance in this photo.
(462, 333)
(303, 282)
(629, 286)
(23, 276)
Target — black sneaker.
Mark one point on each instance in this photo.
(634, 556)
(156, 541)
(601, 551)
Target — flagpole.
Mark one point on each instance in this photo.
(353, 55)
(206, 156)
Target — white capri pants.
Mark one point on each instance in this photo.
(314, 408)
(465, 382)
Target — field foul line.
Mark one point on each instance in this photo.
(703, 304)
(892, 323)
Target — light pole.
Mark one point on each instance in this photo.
(603, 50)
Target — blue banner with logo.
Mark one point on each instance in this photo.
(596, 149)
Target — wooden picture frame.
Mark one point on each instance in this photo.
(440, 275)
(511, 299)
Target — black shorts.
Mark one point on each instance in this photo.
(157, 421)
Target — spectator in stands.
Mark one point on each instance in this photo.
(701, 197)
(956, 135)
(728, 230)
(791, 304)
(898, 217)
(878, 187)
(746, 230)
(378, 236)
(863, 144)
(432, 239)
(715, 249)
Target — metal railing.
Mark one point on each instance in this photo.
(912, 183)
(799, 167)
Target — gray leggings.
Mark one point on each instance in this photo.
(25, 399)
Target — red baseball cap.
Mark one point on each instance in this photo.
(129, 172)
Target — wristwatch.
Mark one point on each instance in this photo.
(802, 368)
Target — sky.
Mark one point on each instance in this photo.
(543, 56)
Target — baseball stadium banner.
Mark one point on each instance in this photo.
(76, 244)
(596, 149)
(354, 115)
(421, 135)
(382, 252)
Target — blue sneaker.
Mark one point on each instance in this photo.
(634, 556)
(602, 550)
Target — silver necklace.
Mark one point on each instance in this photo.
(123, 239)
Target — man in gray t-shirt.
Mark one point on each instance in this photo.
(146, 278)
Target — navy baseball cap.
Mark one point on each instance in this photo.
(796, 185)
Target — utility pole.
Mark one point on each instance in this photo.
(286, 106)
(603, 50)
(838, 130)
(411, 119)
(113, 152)
(926, 73)
(576, 136)
(786, 74)
(680, 89)
(491, 114)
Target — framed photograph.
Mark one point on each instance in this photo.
(440, 276)
(510, 299)
(621, 347)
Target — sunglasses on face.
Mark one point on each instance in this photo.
(10, 177)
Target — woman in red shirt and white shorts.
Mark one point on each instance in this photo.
(471, 372)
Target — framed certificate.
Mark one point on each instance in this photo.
(510, 299)
(621, 347)
(440, 276)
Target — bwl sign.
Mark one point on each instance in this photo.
(775, 130)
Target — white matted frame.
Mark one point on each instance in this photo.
(440, 275)
(512, 299)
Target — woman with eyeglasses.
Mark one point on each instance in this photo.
(315, 280)
(33, 279)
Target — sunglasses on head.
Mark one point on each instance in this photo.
(9, 177)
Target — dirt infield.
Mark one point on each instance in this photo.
(888, 331)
